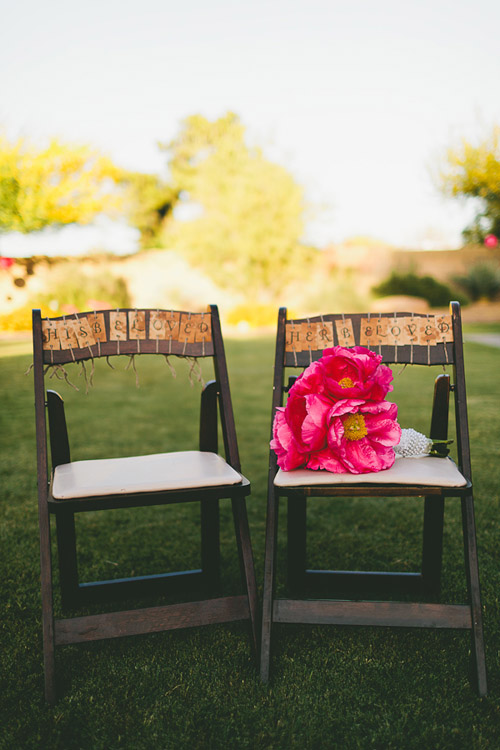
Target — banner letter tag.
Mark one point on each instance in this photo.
(308, 337)
(137, 324)
(50, 335)
(427, 331)
(203, 327)
(117, 326)
(84, 332)
(324, 335)
(293, 337)
(98, 326)
(381, 331)
(444, 327)
(172, 325)
(345, 332)
(187, 330)
(157, 324)
(395, 332)
(410, 330)
(67, 334)
(367, 336)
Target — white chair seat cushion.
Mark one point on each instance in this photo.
(153, 473)
(427, 471)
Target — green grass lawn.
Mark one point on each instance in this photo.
(332, 687)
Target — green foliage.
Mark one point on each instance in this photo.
(426, 287)
(473, 171)
(482, 281)
(150, 203)
(247, 214)
(71, 293)
(57, 185)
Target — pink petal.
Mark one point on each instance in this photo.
(363, 457)
(347, 406)
(284, 444)
(383, 431)
(335, 434)
(326, 460)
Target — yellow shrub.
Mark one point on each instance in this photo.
(255, 316)
(20, 319)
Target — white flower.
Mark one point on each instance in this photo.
(413, 444)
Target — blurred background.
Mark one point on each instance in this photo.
(322, 155)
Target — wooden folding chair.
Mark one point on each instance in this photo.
(405, 338)
(185, 476)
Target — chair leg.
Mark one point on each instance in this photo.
(47, 607)
(246, 564)
(210, 542)
(472, 572)
(66, 549)
(296, 548)
(432, 552)
(269, 576)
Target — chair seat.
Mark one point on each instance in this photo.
(137, 474)
(426, 471)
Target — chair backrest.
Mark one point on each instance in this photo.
(407, 338)
(107, 333)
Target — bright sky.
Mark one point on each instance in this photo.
(357, 98)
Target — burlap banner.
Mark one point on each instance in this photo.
(81, 331)
(374, 331)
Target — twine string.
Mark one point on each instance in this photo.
(195, 371)
(131, 363)
(170, 365)
(60, 373)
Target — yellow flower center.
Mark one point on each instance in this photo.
(354, 427)
(346, 383)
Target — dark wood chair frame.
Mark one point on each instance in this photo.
(302, 582)
(58, 632)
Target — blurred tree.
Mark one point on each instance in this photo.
(150, 205)
(473, 171)
(56, 185)
(239, 217)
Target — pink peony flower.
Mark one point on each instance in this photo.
(350, 436)
(335, 417)
(361, 438)
(347, 373)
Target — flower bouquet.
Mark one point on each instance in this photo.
(336, 417)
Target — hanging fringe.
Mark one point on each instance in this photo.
(89, 382)
(132, 363)
(91, 377)
(195, 372)
(170, 365)
(60, 373)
